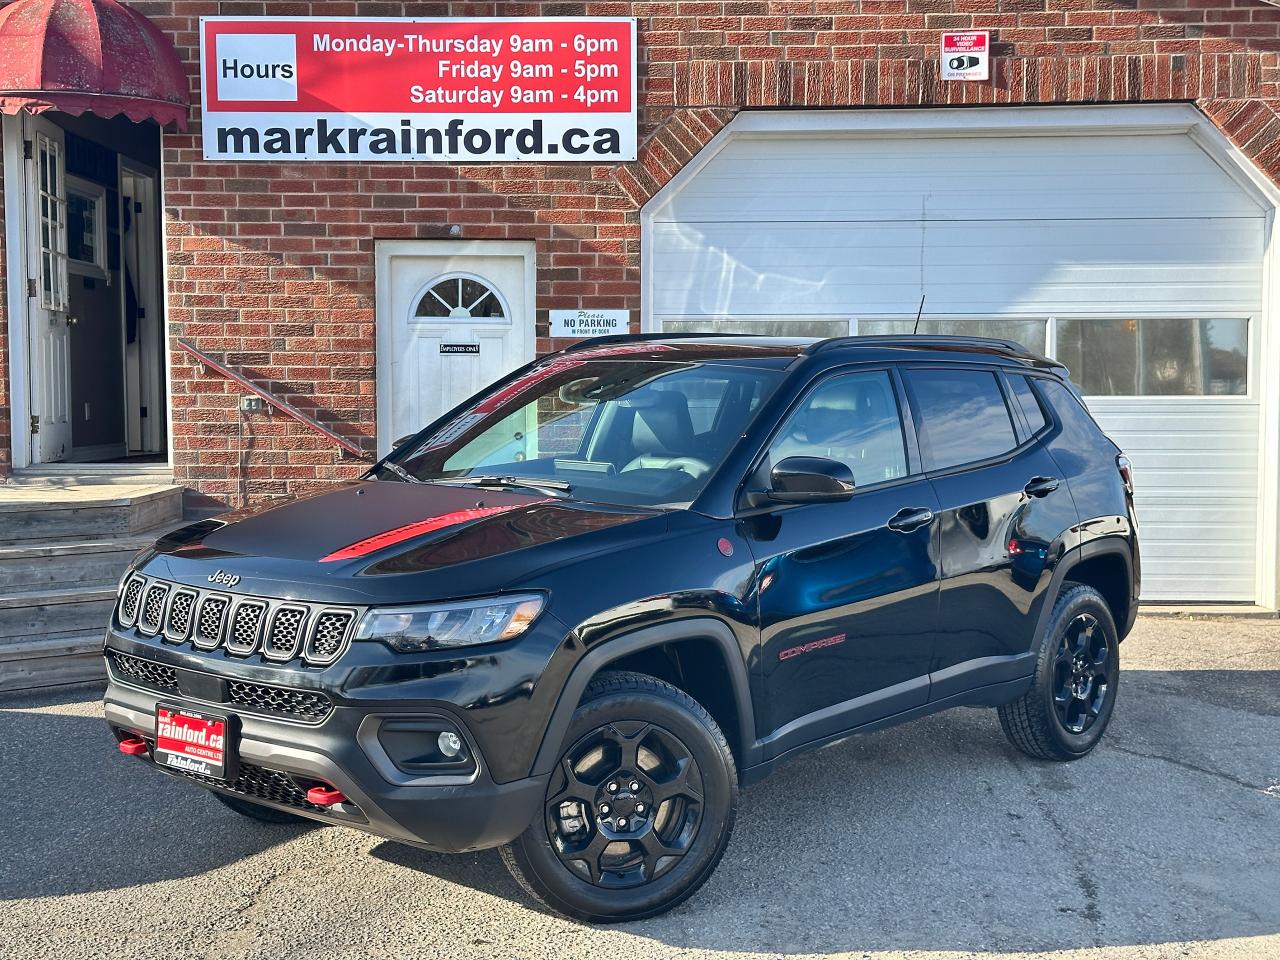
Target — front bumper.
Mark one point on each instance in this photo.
(279, 759)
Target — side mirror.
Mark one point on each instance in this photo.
(403, 440)
(806, 480)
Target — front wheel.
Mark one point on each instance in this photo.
(639, 809)
(1073, 691)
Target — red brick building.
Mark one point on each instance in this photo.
(801, 165)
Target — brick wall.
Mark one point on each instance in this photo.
(273, 264)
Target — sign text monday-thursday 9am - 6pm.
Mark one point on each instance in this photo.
(467, 89)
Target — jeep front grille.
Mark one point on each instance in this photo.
(261, 783)
(278, 630)
(143, 673)
(130, 599)
(243, 696)
(263, 698)
(177, 622)
(153, 607)
(213, 611)
(330, 633)
(246, 624)
(284, 636)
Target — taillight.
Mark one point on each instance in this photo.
(1126, 473)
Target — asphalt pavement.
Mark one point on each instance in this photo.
(934, 839)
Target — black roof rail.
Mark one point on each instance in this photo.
(643, 337)
(1007, 347)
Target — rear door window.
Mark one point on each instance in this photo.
(961, 416)
(1028, 403)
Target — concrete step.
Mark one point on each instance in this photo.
(43, 613)
(45, 512)
(32, 564)
(51, 661)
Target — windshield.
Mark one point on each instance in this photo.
(628, 431)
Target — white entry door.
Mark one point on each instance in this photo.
(453, 317)
(50, 324)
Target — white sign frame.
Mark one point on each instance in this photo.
(256, 132)
(951, 69)
(589, 323)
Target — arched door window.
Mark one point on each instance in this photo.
(461, 296)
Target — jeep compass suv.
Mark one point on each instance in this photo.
(574, 615)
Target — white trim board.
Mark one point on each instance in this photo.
(15, 249)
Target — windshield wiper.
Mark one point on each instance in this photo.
(548, 485)
(400, 472)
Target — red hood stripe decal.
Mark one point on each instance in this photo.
(410, 530)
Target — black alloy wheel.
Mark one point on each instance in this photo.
(1081, 673)
(638, 809)
(1072, 694)
(628, 804)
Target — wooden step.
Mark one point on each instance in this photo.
(45, 565)
(51, 661)
(68, 475)
(94, 511)
(41, 613)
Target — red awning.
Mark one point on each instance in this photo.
(89, 56)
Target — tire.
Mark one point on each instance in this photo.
(639, 809)
(1073, 691)
(256, 811)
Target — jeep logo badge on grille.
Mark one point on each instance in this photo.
(226, 579)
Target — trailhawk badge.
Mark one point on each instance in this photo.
(226, 579)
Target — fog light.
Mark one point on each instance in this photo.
(450, 744)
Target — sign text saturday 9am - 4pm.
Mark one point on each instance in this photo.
(298, 88)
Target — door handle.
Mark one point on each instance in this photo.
(910, 518)
(1040, 486)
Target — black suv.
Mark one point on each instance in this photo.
(572, 616)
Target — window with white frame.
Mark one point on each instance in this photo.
(1156, 357)
(86, 227)
(51, 186)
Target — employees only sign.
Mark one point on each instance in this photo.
(301, 88)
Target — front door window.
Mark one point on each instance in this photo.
(50, 182)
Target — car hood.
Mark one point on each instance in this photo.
(380, 541)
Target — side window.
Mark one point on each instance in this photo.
(1028, 403)
(1078, 425)
(853, 418)
(961, 416)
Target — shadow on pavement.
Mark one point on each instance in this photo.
(937, 835)
(78, 817)
(931, 836)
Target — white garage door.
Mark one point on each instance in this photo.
(1134, 258)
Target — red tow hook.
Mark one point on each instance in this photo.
(133, 747)
(325, 796)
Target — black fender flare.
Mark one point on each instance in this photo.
(1103, 546)
(600, 656)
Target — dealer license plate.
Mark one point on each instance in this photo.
(192, 742)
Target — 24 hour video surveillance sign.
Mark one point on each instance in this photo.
(461, 90)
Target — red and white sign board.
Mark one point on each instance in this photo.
(302, 88)
(966, 55)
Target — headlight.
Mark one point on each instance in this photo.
(464, 624)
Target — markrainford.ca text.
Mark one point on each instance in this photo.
(453, 137)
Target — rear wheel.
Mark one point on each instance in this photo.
(256, 811)
(1073, 692)
(639, 809)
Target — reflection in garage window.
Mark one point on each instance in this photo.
(1029, 333)
(1156, 357)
